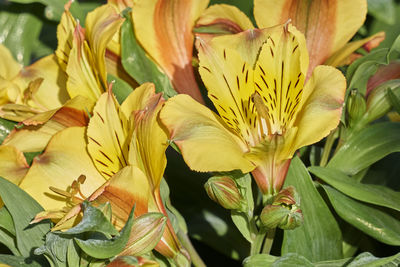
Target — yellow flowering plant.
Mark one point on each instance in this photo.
(121, 120)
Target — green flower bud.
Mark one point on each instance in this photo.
(224, 191)
(146, 232)
(356, 106)
(378, 102)
(284, 212)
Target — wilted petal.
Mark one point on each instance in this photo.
(343, 55)
(327, 25)
(13, 165)
(164, 29)
(205, 143)
(63, 161)
(322, 108)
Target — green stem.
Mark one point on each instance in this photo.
(268, 241)
(258, 241)
(194, 256)
(327, 148)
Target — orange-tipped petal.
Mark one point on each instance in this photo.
(327, 25)
(164, 29)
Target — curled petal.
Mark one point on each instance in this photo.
(322, 108)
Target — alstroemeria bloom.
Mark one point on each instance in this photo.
(121, 154)
(256, 80)
(327, 25)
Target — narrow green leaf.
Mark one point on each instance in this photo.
(7, 239)
(366, 147)
(366, 259)
(93, 221)
(23, 209)
(72, 254)
(6, 221)
(6, 127)
(334, 263)
(18, 261)
(241, 222)
(20, 30)
(320, 229)
(373, 194)
(366, 218)
(104, 249)
(138, 65)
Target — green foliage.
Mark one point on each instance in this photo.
(316, 234)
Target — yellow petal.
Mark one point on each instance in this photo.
(138, 99)
(149, 140)
(17, 112)
(327, 25)
(164, 29)
(13, 165)
(51, 92)
(205, 143)
(65, 32)
(222, 19)
(107, 137)
(322, 107)
(342, 55)
(120, 4)
(63, 161)
(9, 67)
(101, 25)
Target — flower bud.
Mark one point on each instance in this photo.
(284, 212)
(224, 191)
(146, 232)
(356, 106)
(378, 102)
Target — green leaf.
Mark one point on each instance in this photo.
(366, 147)
(334, 263)
(394, 100)
(320, 229)
(93, 221)
(241, 222)
(373, 194)
(7, 239)
(293, 260)
(20, 30)
(383, 10)
(55, 249)
(6, 221)
(23, 209)
(18, 261)
(104, 249)
(120, 88)
(138, 65)
(366, 259)
(73, 254)
(6, 127)
(366, 218)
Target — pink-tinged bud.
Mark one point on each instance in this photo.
(284, 212)
(146, 232)
(224, 191)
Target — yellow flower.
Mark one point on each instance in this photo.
(118, 158)
(327, 25)
(256, 80)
